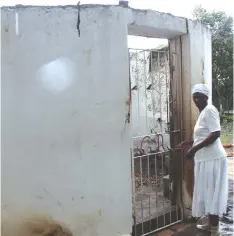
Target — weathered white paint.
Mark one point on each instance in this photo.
(67, 153)
(65, 144)
(154, 24)
(196, 68)
(196, 65)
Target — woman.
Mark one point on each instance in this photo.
(211, 175)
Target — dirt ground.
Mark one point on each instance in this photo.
(226, 222)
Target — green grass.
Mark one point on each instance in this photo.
(226, 138)
(227, 128)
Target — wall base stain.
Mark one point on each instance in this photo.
(34, 226)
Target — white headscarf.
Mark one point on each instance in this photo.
(201, 88)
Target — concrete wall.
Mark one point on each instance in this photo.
(65, 144)
(148, 23)
(200, 59)
(196, 49)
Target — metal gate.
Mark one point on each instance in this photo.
(156, 164)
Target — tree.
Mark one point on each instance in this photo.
(221, 26)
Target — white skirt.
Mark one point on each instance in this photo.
(210, 187)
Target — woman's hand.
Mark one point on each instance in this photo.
(185, 144)
(191, 152)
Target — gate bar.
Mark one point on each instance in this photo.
(164, 227)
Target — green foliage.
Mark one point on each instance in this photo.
(226, 117)
(221, 26)
(227, 128)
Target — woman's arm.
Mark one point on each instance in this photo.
(185, 144)
(206, 142)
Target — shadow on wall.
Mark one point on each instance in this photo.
(33, 226)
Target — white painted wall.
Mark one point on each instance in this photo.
(155, 24)
(196, 68)
(65, 145)
(200, 46)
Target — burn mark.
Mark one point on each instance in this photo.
(202, 68)
(34, 225)
(127, 118)
(129, 100)
(78, 19)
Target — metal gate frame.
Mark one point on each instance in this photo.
(175, 131)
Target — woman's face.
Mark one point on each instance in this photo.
(200, 99)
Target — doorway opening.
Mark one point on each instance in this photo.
(156, 183)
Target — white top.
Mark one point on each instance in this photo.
(208, 122)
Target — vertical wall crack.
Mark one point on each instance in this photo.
(187, 27)
(78, 19)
